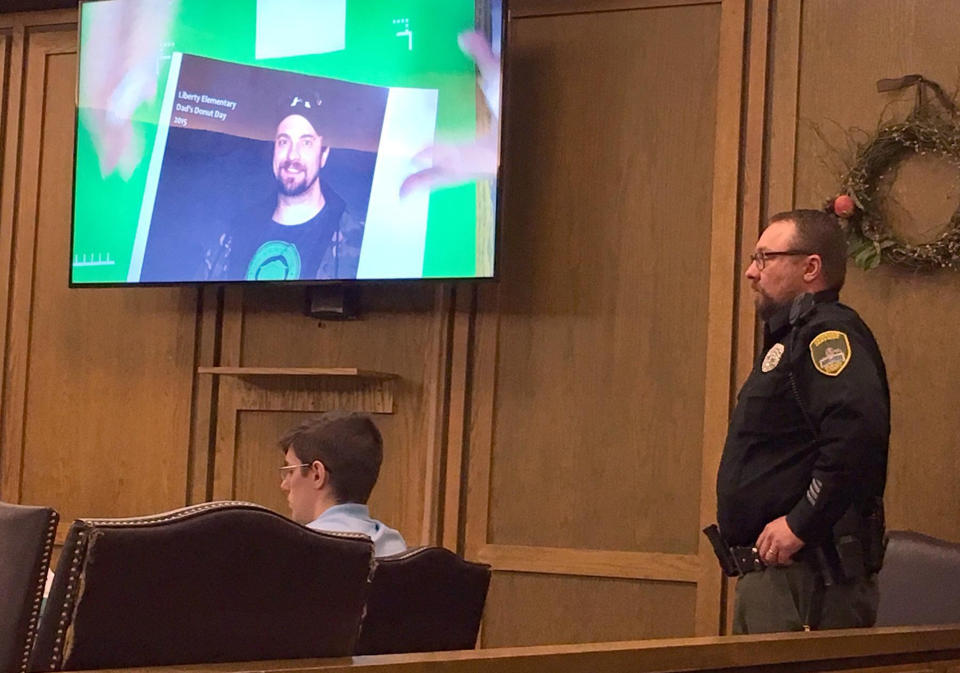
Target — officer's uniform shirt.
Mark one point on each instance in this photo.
(810, 431)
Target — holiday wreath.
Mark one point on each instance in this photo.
(926, 131)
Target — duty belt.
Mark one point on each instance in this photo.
(746, 559)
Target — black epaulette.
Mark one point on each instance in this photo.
(801, 308)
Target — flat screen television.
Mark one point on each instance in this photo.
(223, 141)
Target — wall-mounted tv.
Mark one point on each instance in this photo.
(286, 140)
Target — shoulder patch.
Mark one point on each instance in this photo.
(830, 351)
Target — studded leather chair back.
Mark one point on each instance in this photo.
(26, 541)
(424, 600)
(211, 583)
(918, 581)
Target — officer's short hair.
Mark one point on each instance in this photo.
(819, 232)
(348, 444)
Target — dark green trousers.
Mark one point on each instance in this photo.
(787, 598)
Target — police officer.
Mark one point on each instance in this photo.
(804, 465)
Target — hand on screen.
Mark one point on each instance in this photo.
(118, 74)
(450, 164)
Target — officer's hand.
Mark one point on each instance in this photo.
(777, 543)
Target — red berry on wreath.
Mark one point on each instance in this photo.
(843, 206)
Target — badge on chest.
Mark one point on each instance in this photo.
(772, 358)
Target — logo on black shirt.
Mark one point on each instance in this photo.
(275, 260)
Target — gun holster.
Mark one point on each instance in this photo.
(857, 546)
(724, 556)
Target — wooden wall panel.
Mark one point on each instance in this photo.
(402, 331)
(9, 148)
(529, 8)
(531, 609)
(591, 354)
(98, 384)
(735, 97)
(914, 316)
(602, 332)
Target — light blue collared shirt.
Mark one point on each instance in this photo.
(354, 517)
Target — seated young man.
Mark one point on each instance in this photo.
(331, 465)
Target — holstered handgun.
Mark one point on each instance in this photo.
(857, 545)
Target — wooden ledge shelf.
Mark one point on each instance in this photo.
(296, 371)
(312, 389)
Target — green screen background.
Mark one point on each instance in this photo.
(107, 208)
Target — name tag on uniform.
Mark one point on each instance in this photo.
(772, 358)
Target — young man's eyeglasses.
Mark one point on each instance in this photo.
(286, 470)
(760, 257)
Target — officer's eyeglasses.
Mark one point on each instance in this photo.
(760, 257)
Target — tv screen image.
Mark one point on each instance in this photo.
(286, 140)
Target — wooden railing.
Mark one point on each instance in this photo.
(934, 649)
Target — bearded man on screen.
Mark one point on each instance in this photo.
(310, 233)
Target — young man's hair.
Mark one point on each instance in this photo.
(348, 444)
(818, 232)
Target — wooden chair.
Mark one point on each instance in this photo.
(423, 600)
(217, 582)
(26, 541)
